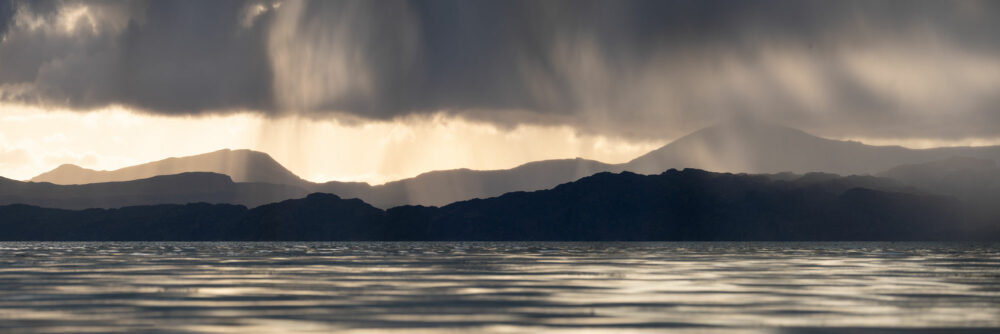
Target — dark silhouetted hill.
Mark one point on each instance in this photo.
(198, 221)
(443, 187)
(698, 205)
(674, 205)
(316, 217)
(166, 189)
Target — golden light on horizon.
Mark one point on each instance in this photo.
(34, 140)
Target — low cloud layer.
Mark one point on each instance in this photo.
(880, 69)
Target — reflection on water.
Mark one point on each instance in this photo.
(497, 287)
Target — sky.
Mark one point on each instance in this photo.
(380, 90)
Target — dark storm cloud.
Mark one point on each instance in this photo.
(647, 68)
(6, 14)
(188, 56)
(163, 56)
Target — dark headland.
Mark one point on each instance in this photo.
(675, 205)
(864, 193)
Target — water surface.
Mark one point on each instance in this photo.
(499, 287)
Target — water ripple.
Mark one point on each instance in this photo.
(498, 287)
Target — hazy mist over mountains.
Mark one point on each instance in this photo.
(868, 193)
(241, 165)
(744, 146)
(749, 146)
(748, 93)
(500, 166)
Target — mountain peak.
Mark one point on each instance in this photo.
(322, 196)
(69, 166)
(754, 146)
(231, 153)
(736, 145)
(752, 129)
(66, 174)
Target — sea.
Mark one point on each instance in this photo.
(499, 287)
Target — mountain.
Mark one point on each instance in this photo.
(433, 188)
(698, 205)
(736, 146)
(442, 187)
(975, 181)
(317, 217)
(749, 146)
(949, 175)
(196, 221)
(178, 189)
(744, 146)
(241, 165)
(674, 205)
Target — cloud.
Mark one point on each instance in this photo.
(636, 68)
(162, 56)
(33, 141)
(6, 13)
(13, 157)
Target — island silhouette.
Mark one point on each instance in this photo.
(791, 186)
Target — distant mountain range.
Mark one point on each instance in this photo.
(442, 187)
(240, 165)
(432, 188)
(753, 147)
(675, 205)
(179, 188)
(962, 177)
(743, 146)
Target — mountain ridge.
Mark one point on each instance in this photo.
(736, 146)
(161, 189)
(676, 205)
(757, 147)
(242, 165)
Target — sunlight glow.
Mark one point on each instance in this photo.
(34, 140)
